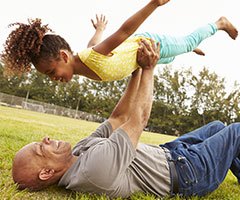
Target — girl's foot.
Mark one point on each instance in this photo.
(199, 52)
(225, 25)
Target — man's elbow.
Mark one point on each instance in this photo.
(141, 119)
(144, 121)
(119, 116)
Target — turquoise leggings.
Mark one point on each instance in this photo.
(173, 46)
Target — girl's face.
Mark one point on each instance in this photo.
(58, 70)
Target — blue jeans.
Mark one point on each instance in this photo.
(173, 46)
(204, 156)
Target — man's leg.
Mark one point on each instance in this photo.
(196, 136)
(203, 166)
(235, 168)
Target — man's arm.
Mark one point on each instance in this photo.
(99, 26)
(141, 110)
(123, 109)
(128, 27)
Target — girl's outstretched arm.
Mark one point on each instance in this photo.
(128, 27)
(99, 25)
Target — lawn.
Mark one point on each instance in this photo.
(19, 127)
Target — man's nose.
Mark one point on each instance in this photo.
(46, 140)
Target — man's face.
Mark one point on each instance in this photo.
(51, 152)
(47, 153)
(37, 159)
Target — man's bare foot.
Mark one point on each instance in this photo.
(225, 25)
(199, 52)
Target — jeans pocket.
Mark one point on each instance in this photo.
(186, 173)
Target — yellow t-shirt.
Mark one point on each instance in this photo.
(119, 65)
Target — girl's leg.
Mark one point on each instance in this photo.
(172, 46)
(196, 136)
(203, 166)
(165, 60)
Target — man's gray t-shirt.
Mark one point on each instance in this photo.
(108, 164)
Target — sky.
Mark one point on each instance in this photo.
(71, 20)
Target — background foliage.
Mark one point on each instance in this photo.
(182, 101)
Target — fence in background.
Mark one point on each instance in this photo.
(19, 102)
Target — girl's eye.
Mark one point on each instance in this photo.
(52, 72)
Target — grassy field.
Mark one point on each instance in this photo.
(19, 127)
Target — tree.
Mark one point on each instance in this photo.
(182, 100)
(209, 95)
(14, 85)
(41, 87)
(101, 97)
(170, 108)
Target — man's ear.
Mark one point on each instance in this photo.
(45, 174)
(64, 55)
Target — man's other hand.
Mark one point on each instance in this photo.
(148, 54)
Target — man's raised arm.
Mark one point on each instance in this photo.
(124, 107)
(143, 103)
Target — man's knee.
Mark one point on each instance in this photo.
(235, 127)
(218, 123)
(233, 130)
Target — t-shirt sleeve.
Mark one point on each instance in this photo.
(103, 131)
(109, 159)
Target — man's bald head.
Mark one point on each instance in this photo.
(40, 164)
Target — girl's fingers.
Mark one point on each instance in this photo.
(97, 17)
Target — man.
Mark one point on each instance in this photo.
(111, 161)
(108, 152)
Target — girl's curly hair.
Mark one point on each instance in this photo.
(28, 44)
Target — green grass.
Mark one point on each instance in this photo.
(19, 127)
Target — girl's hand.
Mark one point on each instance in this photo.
(100, 23)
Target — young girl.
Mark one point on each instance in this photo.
(112, 59)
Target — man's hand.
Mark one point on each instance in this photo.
(148, 54)
(100, 23)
